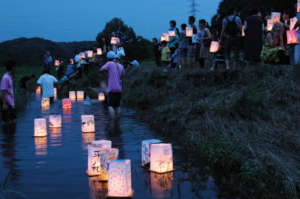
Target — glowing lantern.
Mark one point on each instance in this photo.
(99, 51)
(56, 63)
(80, 95)
(103, 144)
(38, 90)
(40, 145)
(146, 146)
(292, 37)
(189, 32)
(55, 121)
(40, 127)
(119, 182)
(87, 124)
(243, 31)
(72, 95)
(298, 6)
(101, 97)
(90, 54)
(165, 37)
(293, 22)
(275, 16)
(172, 33)
(45, 103)
(214, 47)
(82, 55)
(114, 41)
(161, 159)
(71, 61)
(270, 25)
(161, 184)
(55, 134)
(98, 188)
(88, 138)
(66, 104)
(55, 93)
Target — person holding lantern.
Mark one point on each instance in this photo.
(183, 45)
(204, 40)
(173, 36)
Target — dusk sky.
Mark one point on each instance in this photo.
(79, 20)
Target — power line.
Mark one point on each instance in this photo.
(193, 8)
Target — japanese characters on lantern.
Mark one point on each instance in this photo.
(161, 159)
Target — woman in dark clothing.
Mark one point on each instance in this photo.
(253, 37)
(156, 51)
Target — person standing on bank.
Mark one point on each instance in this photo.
(7, 94)
(47, 82)
(115, 74)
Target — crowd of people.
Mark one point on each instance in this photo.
(239, 41)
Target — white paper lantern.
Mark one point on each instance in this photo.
(45, 103)
(40, 127)
(146, 146)
(101, 97)
(114, 41)
(161, 159)
(90, 54)
(40, 145)
(55, 121)
(80, 95)
(87, 123)
(161, 184)
(165, 37)
(99, 51)
(214, 47)
(293, 22)
(56, 63)
(66, 104)
(172, 33)
(55, 93)
(292, 37)
(189, 32)
(38, 90)
(72, 95)
(119, 182)
(275, 16)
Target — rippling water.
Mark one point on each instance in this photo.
(54, 167)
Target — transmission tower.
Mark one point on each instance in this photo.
(193, 8)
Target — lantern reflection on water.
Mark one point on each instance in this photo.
(45, 103)
(55, 121)
(101, 97)
(40, 145)
(66, 104)
(161, 184)
(87, 123)
(80, 95)
(146, 146)
(88, 138)
(40, 127)
(72, 95)
(161, 159)
(98, 189)
(119, 182)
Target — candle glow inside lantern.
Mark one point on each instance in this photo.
(270, 25)
(38, 90)
(189, 32)
(146, 146)
(292, 37)
(101, 97)
(214, 46)
(80, 95)
(165, 37)
(66, 103)
(114, 41)
(45, 103)
(161, 159)
(275, 16)
(56, 63)
(172, 33)
(87, 123)
(119, 182)
(99, 51)
(40, 127)
(55, 121)
(161, 184)
(72, 95)
(293, 22)
(90, 54)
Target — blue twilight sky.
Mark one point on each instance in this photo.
(78, 20)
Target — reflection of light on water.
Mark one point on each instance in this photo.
(67, 112)
(98, 189)
(40, 145)
(55, 135)
(88, 138)
(161, 184)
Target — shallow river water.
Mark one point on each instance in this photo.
(54, 167)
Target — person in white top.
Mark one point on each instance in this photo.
(47, 82)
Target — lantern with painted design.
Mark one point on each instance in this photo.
(87, 123)
(40, 127)
(270, 24)
(165, 37)
(101, 97)
(275, 16)
(38, 90)
(119, 182)
(146, 148)
(214, 47)
(114, 41)
(99, 51)
(161, 159)
(107, 156)
(189, 31)
(67, 103)
(45, 103)
(80, 95)
(292, 37)
(55, 121)
(72, 95)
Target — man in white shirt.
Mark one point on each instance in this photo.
(47, 81)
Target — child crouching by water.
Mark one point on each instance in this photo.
(115, 73)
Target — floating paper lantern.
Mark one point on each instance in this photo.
(87, 123)
(165, 37)
(189, 32)
(55, 93)
(161, 184)
(101, 97)
(45, 103)
(98, 188)
(275, 16)
(90, 54)
(38, 90)
(72, 95)
(293, 22)
(114, 41)
(40, 145)
(161, 159)
(270, 25)
(40, 127)
(66, 104)
(99, 51)
(172, 33)
(56, 63)
(55, 121)
(146, 146)
(119, 182)
(80, 95)
(292, 37)
(214, 47)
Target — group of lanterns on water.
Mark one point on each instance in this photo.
(102, 158)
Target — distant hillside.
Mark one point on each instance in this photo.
(30, 51)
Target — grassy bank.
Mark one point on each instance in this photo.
(243, 125)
